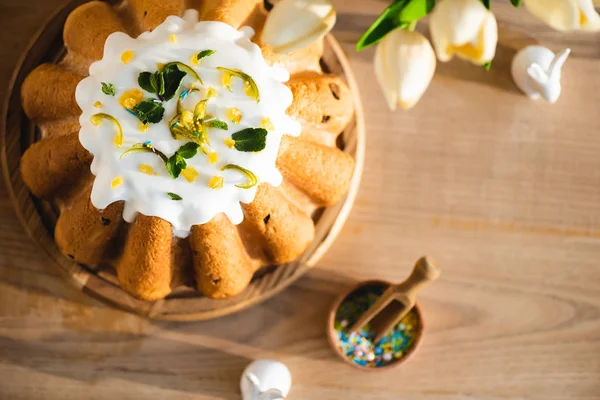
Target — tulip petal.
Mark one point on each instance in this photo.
(294, 24)
(562, 15)
(465, 28)
(588, 17)
(404, 66)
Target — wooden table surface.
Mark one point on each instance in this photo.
(503, 191)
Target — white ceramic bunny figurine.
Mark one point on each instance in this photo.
(265, 380)
(536, 71)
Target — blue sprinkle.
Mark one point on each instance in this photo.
(130, 112)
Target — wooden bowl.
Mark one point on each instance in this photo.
(184, 304)
(331, 336)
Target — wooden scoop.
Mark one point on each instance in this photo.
(404, 293)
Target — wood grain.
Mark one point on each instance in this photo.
(502, 191)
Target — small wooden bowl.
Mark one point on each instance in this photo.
(331, 333)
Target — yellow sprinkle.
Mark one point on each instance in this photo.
(143, 127)
(145, 168)
(190, 174)
(118, 181)
(211, 92)
(130, 98)
(160, 66)
(267, 124)
(229, 143)
(127, 56)
(98, 104)
(213, 157)
(118, 141)
(194, 59)
(216, 182)
(173, 38)
(234, 115)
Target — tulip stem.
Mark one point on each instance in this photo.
(411, 26)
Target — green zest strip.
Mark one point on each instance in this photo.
(96, 119)
(250, 87)
(252, 179)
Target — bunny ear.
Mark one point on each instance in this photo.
(557, 63)
(271, 394)
(252, 379)
(537, 73)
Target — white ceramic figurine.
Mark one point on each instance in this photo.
(265, 380)
(536, 71)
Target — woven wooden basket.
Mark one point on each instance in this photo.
(38, 217)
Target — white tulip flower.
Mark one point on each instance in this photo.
(465, 28)
(566, 15)
(294, 24)
(404, 65)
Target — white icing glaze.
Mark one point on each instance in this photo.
(147, 194)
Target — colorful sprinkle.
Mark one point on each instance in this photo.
(98, 104)
(143, 127)
(130, 98)
(190, 174)
(359, 347)
(229, 143)
(213, 157)
(211, 92)
(127, 56)
(173, 38)
(216, 182)
(267, 124)
(234, 115)
(118, 181)
(147, 169)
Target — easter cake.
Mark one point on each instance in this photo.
(181, 150)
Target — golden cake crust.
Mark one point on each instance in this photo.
(220, 257)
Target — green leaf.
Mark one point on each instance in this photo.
(188, 150)
(108, 88)
(175, 164)
(487, 65)
(170, 78)
(250, 139)
(164, 83)
(387, 22)
(218, 124)
(205, 53)
(149, 111)
(487, 4)
(415, 10)
(174, 196)
(145, 81)
(516, 3)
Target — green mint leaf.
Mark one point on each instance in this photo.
(188, 150)
(145, 82)
(487, 4)
(174, 196)
(250, 139)
(415, 10)
(205, 53)
(149, 111)
(108, 88)
(516, 3)
(387, 22)
(170, 78)
(218, 124)
(175, 164)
